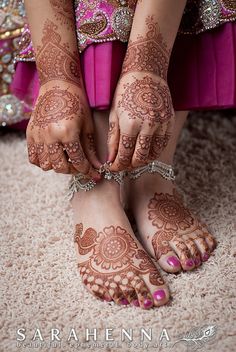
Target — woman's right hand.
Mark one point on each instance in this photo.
(60, 132)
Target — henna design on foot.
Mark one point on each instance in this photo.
(112, 259)
(148, 53)
(54, 60)
(177, 229)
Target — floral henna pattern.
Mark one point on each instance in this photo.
(148, 100)
(55, 105)
(148, 53)
(159, 142)
(175, 224)
(56, 155)
(142, 152)
(167, 212)
(112, 259)
(126, 149)
(75, 152)
(32, 154)
(54, 60)
(43, 156)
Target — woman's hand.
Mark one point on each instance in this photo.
(141, 120)
(60, 132)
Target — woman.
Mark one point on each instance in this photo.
(121, 153)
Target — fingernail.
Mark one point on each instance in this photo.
(197, 261)
(136, 303)
(189, 262)
(147, 303)
(205, 257)
(159, 295)
(124, 301)
(173, 261)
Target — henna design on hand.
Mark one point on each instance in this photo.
(75, 152)
(147, 100)
(32, 154)
(174, 223)
(148, 53)
(111, 258)
(57, 156)
(55, 105)
(142, 152)
(159, 142)
(43, 157)
(54, 60)
(110, 131)
(64, 12)
(91, 142)
(126, 149)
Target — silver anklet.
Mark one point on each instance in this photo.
(166, 171)
(75, 184)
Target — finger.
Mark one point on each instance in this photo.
(58, 159)
(157, 144)
(78, 159)
(43, 156)
(125, 152)
(142, 148)
(88, 141)
(32, 154)
(113, 137)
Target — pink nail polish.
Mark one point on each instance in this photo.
(147, 303)
(124, 301)
(107, 299)
(159, 295)
(136, 303)
(173, 261)
(205, 257)
(197, 261)
(189, 262)
(97, 179)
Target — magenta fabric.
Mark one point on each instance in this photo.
(202, 73)
(101, 66)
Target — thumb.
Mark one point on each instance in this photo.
(113, 136)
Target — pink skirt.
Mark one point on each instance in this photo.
(202, 72)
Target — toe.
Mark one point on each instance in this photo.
(170, 262)
(143, 294)
(116, 294)
(183, 253)
(130, 295)
(210, 240)
(194, 251)
(202, 247)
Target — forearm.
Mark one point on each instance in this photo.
(52, 27)
(153, 33)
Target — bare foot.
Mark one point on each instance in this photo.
(112, 263)
(167, 229)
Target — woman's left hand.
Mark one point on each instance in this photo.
(141, 120)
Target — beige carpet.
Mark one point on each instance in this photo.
(40, 287)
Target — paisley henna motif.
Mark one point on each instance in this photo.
(147, 99)
(54, 60)
(112, 259)
(148, 53)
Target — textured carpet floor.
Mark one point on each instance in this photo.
(40, 286)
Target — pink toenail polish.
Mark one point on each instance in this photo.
(124, 301)
(205, 257)
(147, 303)
(189, 262)
(107, 299)
(136, 303)
(197, 261)
(173, 261)
(159, 295)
